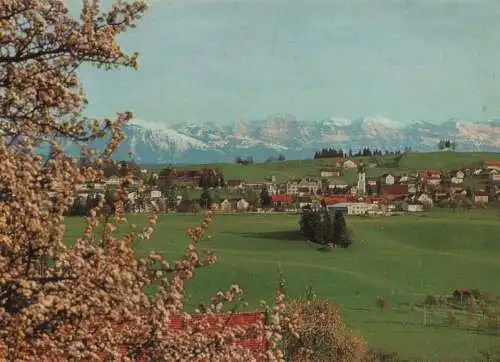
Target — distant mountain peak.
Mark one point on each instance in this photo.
(204, 142)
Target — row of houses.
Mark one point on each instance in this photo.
(305, 190)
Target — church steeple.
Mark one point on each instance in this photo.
(361, 179)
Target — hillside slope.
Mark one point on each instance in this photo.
(408, 163)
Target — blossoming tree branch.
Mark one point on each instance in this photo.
(86, 301)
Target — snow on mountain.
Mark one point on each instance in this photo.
(337, 121)
(381, 122)
(189, 142)
(162, 136)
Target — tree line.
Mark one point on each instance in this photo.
(365, 152)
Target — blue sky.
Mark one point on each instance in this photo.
(226, 60)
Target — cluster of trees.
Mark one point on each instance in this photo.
(447, 145)
(281, 157)
(211, 179)
(319, 227)
(365, 151)
(244, 161)
(329, 152)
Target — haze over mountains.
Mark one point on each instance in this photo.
(188, 142)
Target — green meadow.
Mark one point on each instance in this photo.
(403, 258)
(409, 162)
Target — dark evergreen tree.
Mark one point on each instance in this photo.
(328, 228)
(340, 235)
(266, 200)
(216, 197)
(170, 198)
(205, 198)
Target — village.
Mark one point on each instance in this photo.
(193, 190)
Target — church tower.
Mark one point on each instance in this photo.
(361, 180)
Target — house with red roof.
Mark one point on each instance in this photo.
(394, 191)
(335, 199)
(235, 184)
(492, 165)
(430, 176)
(281, 200)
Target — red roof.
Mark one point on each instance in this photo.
(282, 198)
(492, 163)
(376, 200)
(395, 190)
(332, 200)
(429, 172)
(234, 182)
(257, 343)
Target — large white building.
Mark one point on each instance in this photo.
(351, 208)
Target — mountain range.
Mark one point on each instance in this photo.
(188, 142)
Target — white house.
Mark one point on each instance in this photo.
(425, 199)
(303, 187)
(337, 184)
(155, 194)
(388, 179)
(351, 208)
(113, 180)
(458, 178)
(413, 207)
(242, 205)
(412, 188)
(329, 172)
(349, 164)
(433, 181)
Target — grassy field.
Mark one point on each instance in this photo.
(403, 258)
(300, 168)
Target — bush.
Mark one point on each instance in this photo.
(322, 334)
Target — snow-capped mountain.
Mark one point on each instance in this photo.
(188, 142)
